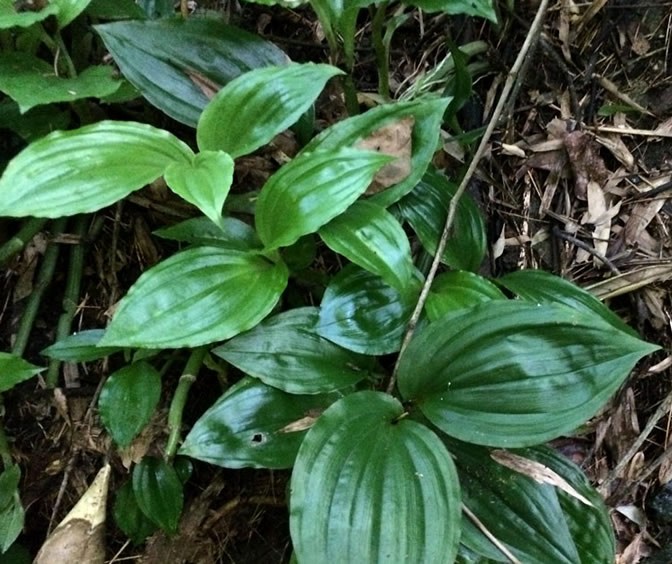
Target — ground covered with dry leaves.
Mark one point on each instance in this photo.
(577, 181)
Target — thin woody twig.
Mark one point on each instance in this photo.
(492, 538)
(511, 79)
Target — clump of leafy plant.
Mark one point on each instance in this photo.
(437, 460)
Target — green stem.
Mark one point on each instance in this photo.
(29, 229)
(63, 52)
(43, 280)
(187, 378)
(350, 92)
(382, 52)
(70, 297)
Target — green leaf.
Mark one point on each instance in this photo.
(112, 160)
(426, 209)
(11, 523)
(128, 400)
(363, 314)
(544, 287)
(80, 347)
(179, 76)
(158, 492)
(286, 352)
(115, 9)
(427, 115)
(31, 81)
(9, 17)
(205, 182)
(371, 486)
(231, 234)
(129, 517)
(511, 373)
(253, 108)
(536, 521)
(14, 370)
(372, 238)
(310, 191)
(254, 425)
(9, 485)
(196, 297)
(454, 291)
(68, 10)
(479, 8)
(33, 124)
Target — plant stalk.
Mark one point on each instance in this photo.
(382, 53)
(28, 230)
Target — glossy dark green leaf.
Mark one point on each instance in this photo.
(512, 373)
(80, 347)
(158, 492)
(129, 517)
(371, 486)
(31, 81)
(195, 297)
(232, 234)
(9, 484)
(14, 370)
(253, 108)
(427, 115)
(205, 182)
(114, 158)
(11, 17)
(480, 8)
(11, 523)
(128, 400)
(254, 425)
(544, 287)
(456, 290)
(536, 521)
(426, 208)
(363, 314)
(310, 191)
(179, 76)
(287, 353)
(370, 236)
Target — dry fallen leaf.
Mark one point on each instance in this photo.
(587, 165)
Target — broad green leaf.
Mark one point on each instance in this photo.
(9, 484)
(371, 486)
(480, 8)
(205, 182)
(115, 10)
(310, 191)
(128, 400)
(544, 287)
(31, 81)
(33, 124)
(253, 108)
(84, 170)
(14, 370)
(195, 297)
(232, 234)
(10, 17)
(512, 373)
(454, 291)
(287, 353)
(254, 425)
(537, 522)
(68, 10)
(129, 517)
(80, 347)
(158, 492)
(426, 209)
(363, 314)
(180, 76)
(11, 523)
(372, 238)
(427, 116)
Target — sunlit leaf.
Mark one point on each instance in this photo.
(371, 486)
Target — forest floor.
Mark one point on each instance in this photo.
(577, 181)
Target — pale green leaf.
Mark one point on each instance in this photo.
(10, 17)
(11, 523)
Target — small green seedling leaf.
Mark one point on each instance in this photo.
(454, 291)
(128, 400)
(253, 108)
(512, 373)
(286, 352)
(254, 426)
(231, 234)
(370, 236)
(80, 347)
(196, 297)
(204, 183)
(129, 517)
(84, 170)
(362, 476)
(14, 370)
(361, 313)
(310, 191)
(158, 492)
